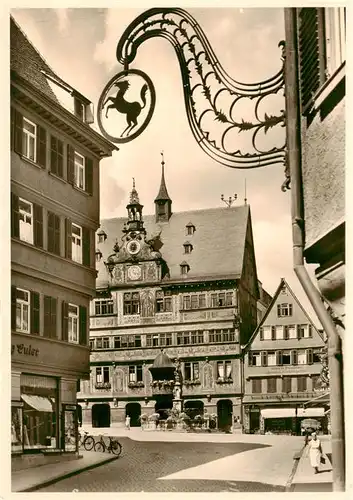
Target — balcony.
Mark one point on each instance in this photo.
(103, 385)
(162, 387)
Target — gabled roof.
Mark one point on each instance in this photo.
(218, 242)
(28, 63)
(282, 284)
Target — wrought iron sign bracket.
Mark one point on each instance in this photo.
(211, 96)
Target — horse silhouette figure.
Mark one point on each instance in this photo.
(131, 109)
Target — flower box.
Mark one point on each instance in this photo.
(103, 385)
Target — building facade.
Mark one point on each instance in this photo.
(55, 158)
(282, 367)
(321, 39)
(183, 282)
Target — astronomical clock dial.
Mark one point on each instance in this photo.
(134, 272)
(133, 247)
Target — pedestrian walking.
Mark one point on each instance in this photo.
(315, 452)
(127, 422)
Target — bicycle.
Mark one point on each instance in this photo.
(114, 446)
(86, 441)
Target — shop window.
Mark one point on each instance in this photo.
(16, 430)
(135, 373)
(104, 307)
(163, 301)
(131, 303)
(256, 385)
(40, 412)
(191, 371)
(284, 310)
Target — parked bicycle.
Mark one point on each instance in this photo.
(86, 441)
(114, 446)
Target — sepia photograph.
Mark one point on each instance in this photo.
(178, 283)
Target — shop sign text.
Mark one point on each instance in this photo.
(24, 350)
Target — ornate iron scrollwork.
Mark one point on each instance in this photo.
(205, 79)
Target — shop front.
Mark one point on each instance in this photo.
(287, 420)
(44, 416)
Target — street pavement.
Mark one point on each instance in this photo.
(183, 462)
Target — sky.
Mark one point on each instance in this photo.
(79, 44)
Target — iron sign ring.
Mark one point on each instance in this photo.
(131, 115)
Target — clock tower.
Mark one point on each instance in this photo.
(135, 258)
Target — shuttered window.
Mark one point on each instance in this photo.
(272, 385)
(256, 384)
(301, 384)
(50, 315)
(287, 384)
(53, 233)
(74, 323)
(26, 221)
(56, 157)
(312, 57)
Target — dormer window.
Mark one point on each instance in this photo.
(190, 229)
(184, 268)
(99, 255)
(102, 236)
(79, 109)
(188, 247)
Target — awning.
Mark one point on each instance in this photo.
(322, 398)
(290, 412)
(38, 403)
(278, 412)
(311, 412)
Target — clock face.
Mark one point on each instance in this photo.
(134, 272)
(133, 247)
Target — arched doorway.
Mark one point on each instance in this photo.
(193, 408)
(79, 415)
(225, 414)
(101, 415)
(162, 406)
(134, 412)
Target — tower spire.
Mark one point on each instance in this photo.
(163, 201)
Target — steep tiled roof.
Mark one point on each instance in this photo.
(163, 193)
(218, 241)
(26, 61)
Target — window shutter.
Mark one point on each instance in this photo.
(53, 314)
(273, 333)
(286, 332)
(50, 232)
(309, 356)
(264, 358)
(64, 321)
(279, 358)
(35, 316)
(83, 325)
(312, 51)
(41, 146)
(60, 159)
(54, 155)
(70, 164)
(38, 225)
(18, 132)
(15, 216)
(310, 331)
(249, 359)
(278, 310)
(68, 239)
(89, 175)
(56, 235)
(86, 246)
(13, 308)
(47, 317)
(261, 333)
(294, 357)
